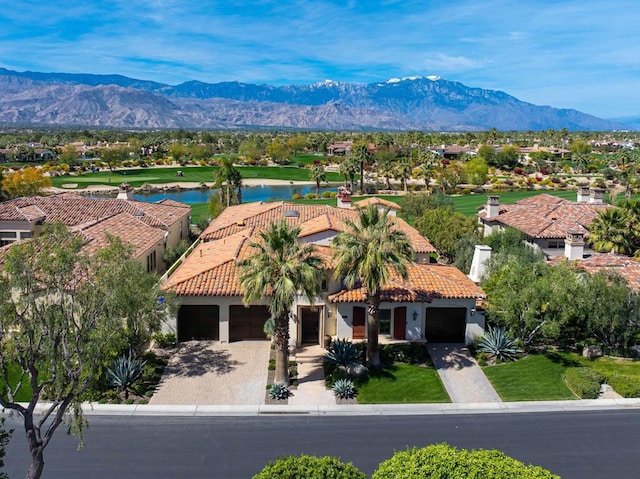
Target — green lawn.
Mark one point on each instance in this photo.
(539, 377)
(198, 174)
(402, 383)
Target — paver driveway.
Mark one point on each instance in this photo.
(208, 372)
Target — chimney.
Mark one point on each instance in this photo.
(125, 192)
(480, 256)
(493, 206)
(596, 196)
(574, 245)
(583, 194)
(344, 197)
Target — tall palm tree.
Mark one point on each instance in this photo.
(610, 232)
(366, 252)
(228, 179)
(318, 175)
(280, 269)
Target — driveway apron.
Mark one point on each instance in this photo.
(208, 372)
(463, 379)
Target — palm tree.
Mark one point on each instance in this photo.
(318, 175)
(366, 251)
(228, 178)
(610, 232)
(281, 268)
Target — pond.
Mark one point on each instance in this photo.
(249, 194)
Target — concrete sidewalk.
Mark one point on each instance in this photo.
(311, 386)
(463, 379)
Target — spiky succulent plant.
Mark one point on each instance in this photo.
(498, 344)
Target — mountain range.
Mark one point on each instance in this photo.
(414, 103)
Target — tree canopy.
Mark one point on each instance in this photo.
(64, 314)
(29, 181)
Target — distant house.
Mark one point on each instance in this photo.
(546, 220)
(149, 227)
(436, 303)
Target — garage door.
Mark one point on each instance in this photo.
(198, 322)
(446, 325)
(247, 323)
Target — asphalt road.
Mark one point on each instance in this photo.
(574, 445)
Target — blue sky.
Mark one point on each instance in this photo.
(581, 54)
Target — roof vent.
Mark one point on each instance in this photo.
(291, 214)
(240, 223)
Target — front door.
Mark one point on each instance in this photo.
(400, 323)
(310, 318)
(359, 321)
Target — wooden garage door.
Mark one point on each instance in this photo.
(359, 322)
(247, 323)
(198, 322)
(446, 325)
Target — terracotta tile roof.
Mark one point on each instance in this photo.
(312, 219)
(628, 268)
(374, 200)
(547, 216)
(129, 228)
(424, 283)
(73, 210)
(210, 269)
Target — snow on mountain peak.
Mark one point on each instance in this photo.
(434, 77)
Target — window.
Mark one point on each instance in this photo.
(325, 285)
(555, 244)
(151, 262)
(385, 321)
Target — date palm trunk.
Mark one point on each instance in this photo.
(281, 343)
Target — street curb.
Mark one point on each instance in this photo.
(92, 409)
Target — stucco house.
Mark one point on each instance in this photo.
(436, 303)
(149, 227)
(547, 221)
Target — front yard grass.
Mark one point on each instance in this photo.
(539, 377)
(401, 384)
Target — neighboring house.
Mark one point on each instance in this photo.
(545, 220)
(149, 227)
(380, 203)
(437, 302)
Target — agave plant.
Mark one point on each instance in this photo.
(344, 389)
(499, 344)
(344, 355)
(124, 371)
(279, 391)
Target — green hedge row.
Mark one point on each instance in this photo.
(585, 382)
(626, 386)
(439, 461)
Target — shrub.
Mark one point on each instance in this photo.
(296, 196)
(310, 196)
(124, 371)
(499, 344)
(343, 354)
(165, 340)
(626, 386)
(329, 194)
(309, 467)
(585, 382)
(279, 391)
(344, 389)
(444, 461)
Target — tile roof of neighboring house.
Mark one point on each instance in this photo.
(424, 283)
(138, 234)
(210, 269)
(628, 268)
(74, 210)
(374, 200)
(547, 216)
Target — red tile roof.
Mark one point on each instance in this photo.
(547, 216)
(210, 270)
(424, 283)
(628, 268)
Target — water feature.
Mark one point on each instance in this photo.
(249, 193)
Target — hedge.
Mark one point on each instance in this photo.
(585, 382)
(626, 386)
(309, 467)
(442, 461)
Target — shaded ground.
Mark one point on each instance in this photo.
(208, 372)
